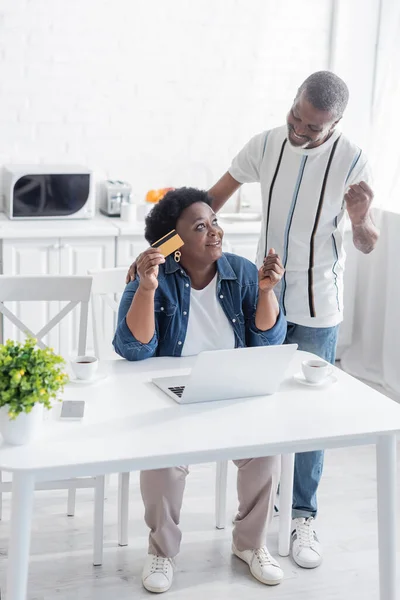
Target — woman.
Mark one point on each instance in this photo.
(200, 299)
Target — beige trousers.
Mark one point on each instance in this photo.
(162, 493)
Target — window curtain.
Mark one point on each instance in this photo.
(374, 353)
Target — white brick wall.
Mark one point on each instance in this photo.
(157, 92)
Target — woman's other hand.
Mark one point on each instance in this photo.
(147, 265)
(271, 272)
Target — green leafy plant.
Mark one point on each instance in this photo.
(29, 375)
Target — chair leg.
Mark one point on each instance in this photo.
(123, 508)
(221, 481)
(285, 503)
(71, 501)
(107, 479)
(98, 529)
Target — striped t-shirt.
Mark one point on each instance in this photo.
(303, 217)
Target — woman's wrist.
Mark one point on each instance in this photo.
(269, 293)
(145, 291)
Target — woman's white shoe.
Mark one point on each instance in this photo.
(158, 573)
(262, 565)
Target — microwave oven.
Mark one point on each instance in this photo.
(48, 192)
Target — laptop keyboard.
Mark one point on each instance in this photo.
(178, 391)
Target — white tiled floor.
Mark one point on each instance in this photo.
(61, 547)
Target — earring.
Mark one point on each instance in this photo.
(177, 256)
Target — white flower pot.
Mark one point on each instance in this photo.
(24, 428)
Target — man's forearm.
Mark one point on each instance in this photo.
(223, 190)
(267, 310)
(365, 235)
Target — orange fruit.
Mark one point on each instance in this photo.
(152, 196)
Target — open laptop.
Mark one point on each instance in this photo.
(229, 374)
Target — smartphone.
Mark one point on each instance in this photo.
(72, 409)
(169, 243)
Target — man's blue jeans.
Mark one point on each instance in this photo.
(308, 465)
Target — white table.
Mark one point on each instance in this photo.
(130, 425)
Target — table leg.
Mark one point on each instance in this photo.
(21, 517)
(71, 500)
(285, 503)
(386, 484)
(98, 528)
(221, 482)
(123, 508)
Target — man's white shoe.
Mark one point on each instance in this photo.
(306, 549)
(262, 566)
(158, 573)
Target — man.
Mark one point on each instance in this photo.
(310, 176)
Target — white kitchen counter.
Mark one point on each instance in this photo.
(99, 226)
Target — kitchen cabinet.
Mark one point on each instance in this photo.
(55, 256)
(128, 248)
(77, 257)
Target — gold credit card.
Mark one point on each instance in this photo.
(169, 243)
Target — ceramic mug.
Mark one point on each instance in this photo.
(316, 370)
(85, 367)
(128, 212)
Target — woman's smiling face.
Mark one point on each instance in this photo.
(199, 229)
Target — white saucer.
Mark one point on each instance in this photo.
(99, 376)
(299, 377)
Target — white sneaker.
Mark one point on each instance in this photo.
(306, 549)
(158, 573)
(262, 566)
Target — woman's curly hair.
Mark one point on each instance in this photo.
(163, 217)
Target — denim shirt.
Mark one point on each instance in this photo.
(237, 292)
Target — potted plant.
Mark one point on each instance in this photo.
(30, 378)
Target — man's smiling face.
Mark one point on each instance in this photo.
(308, 127)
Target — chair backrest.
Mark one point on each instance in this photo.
(107, 287)
(72, 289)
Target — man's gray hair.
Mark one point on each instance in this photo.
(326, 91)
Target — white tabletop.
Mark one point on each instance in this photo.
(129, 423)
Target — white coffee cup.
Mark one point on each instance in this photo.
(128, 212)
(316, 370)
(85, 367)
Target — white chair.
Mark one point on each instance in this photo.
(107, 286)
(74, 291)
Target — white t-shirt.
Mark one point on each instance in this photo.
(208, 326)
(303, 217)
